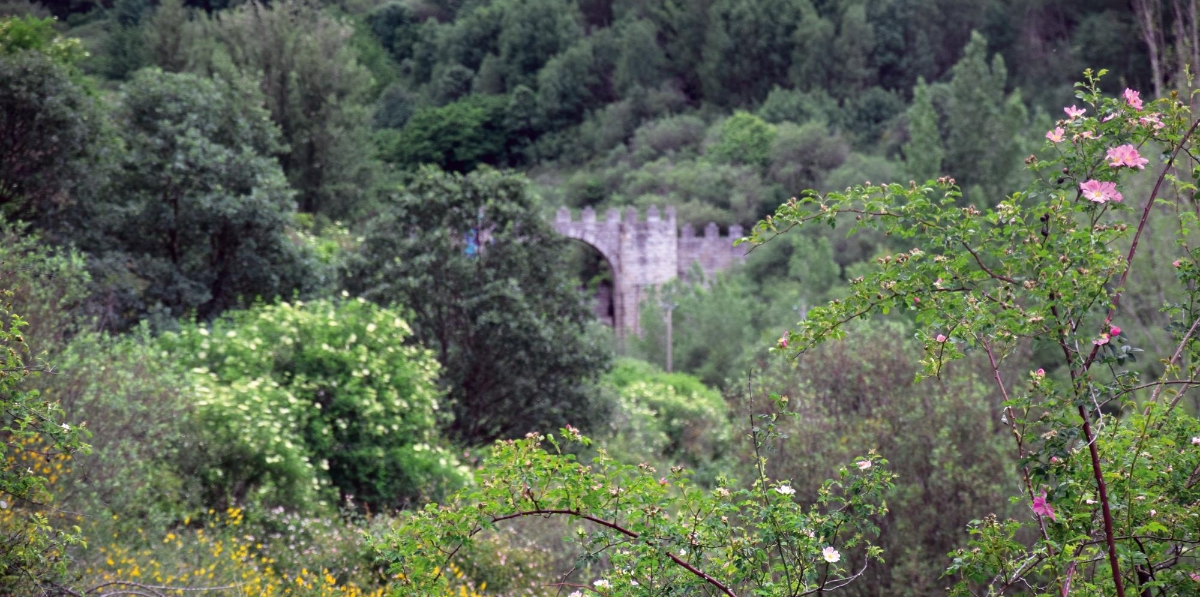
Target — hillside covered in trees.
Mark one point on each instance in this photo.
(277, 276)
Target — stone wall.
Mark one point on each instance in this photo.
(647, 253)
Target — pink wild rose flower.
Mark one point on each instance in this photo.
(1100, 192)
(1101, 341)
(1056, 135)
(1126, 155)
(1042, 508)
(1114, 331)
(941, 338)
(1133, 98)
(1073, 112)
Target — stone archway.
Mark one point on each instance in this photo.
(647, 253)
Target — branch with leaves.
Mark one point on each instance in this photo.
(1103, 461)
(660, 533)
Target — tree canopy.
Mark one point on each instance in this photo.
(480, 270)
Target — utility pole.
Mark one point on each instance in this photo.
(669, 306)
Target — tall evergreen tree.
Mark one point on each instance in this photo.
(641, 61)
(924, 152)
(981, 134)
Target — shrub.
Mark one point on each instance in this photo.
(33, 434)
(457, 136)
(669, 419)
(743, 139)
(667, 136)
(802, 155)
(949, 452)
(394, 107)
(788, 105)
(138, 408)
(858, 167)
(700, 191)
(299, 397)
(48, 286)
(660, 534)
(224, 551)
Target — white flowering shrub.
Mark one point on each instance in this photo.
(299, 400)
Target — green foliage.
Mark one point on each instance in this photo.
(743, 139)
(833, 49)
(38, 34)
(662, 535)
(806, 260)
(666, 419)
(951, 455)
(531, 33)
(700, 190)
(298, 397)
(923, 153)
(641, 62)
(53, 139)
(869, 114)
(375, 58)
(479, 267)
(395, 26)
(572, 83)
(801, 156)
(452, 84)
(33, 434)
(47, 284)
(980, 138)
(395, 106)
(799, 107)
(860, 167)
(748, 48)
(199, 210)
(670, 136)
(137, 403)
(458, 137)
(124, 48)
(169, 36)
(1106, 459)
(721, 308)
(316, 92)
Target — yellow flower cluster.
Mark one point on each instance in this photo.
(32, 455)
(215, 555)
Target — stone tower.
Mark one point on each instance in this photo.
(648, 253)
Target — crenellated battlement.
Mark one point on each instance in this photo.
(648, 252)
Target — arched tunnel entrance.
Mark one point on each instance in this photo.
(597, 279)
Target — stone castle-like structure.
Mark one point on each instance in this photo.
(647, 253)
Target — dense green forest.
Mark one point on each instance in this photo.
(248, 320)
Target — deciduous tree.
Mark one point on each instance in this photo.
(477, 264)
